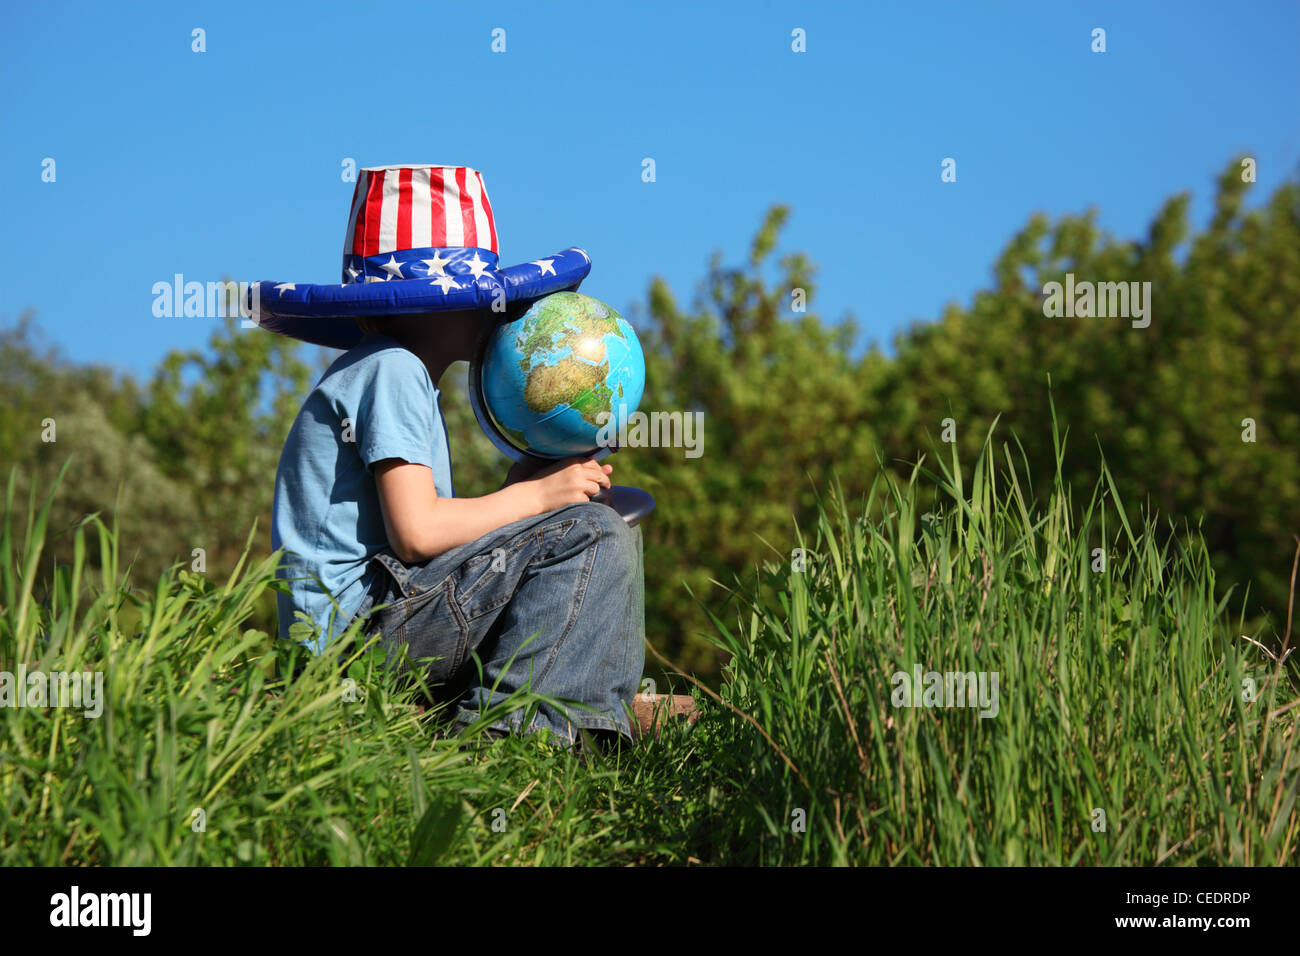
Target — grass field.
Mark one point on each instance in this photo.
(1135, 723)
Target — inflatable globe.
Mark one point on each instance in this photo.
(561, 379)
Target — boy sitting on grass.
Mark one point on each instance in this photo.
(533, 585)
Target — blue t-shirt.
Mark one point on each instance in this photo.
(377, 401)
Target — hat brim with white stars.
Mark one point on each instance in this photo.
(326, 314)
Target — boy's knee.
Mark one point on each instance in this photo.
(607, 527)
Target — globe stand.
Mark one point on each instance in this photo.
(632, 504)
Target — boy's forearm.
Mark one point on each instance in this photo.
(456, 521)
(422, 525)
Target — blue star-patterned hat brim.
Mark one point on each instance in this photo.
(326, 314)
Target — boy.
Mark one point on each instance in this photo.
(533, 584)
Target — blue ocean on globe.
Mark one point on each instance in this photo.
(562, 376)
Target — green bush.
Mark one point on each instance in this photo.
(789, 403)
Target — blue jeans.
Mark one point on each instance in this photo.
(572, 577)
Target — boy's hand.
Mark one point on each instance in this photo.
(570, 482)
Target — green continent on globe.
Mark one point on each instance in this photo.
(566, 320)
(578, 379)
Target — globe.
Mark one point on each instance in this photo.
(563, 378)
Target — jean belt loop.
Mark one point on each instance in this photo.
(398, 570)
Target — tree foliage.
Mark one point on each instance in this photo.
(789, 404)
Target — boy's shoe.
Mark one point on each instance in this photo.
(485, 737)
(586, 743)
(650, 712)
(605, 743)
(653, 711)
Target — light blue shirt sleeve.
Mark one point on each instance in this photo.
(397, 415)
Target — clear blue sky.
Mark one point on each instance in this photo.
(227, 163)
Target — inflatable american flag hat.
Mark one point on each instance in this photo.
(419, 239)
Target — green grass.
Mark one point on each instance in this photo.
(1121, 691)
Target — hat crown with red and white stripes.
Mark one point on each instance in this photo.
(419, 221)
(420, 240)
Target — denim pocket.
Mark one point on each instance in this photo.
(485, 581)
(427, 623)
(488, 581)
